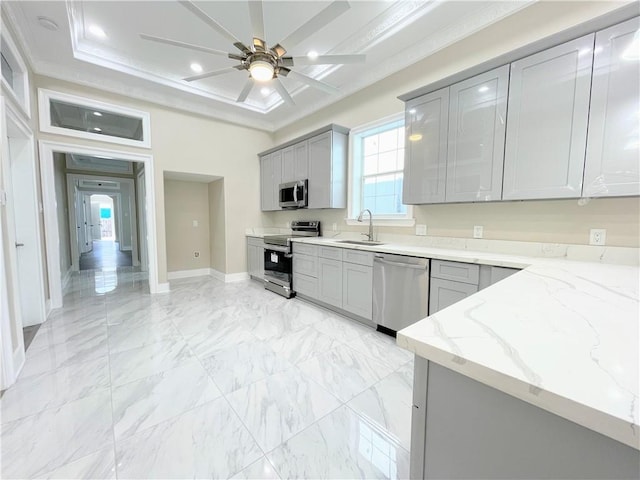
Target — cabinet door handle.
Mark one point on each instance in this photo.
(19, 244)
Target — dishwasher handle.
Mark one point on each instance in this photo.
(380, 259)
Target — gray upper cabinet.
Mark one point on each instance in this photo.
(547, 116)
(426, 124)
(477, 118)
(612, 167)
(295, 162)
(270, 178)
(328, 170)
(288, 165)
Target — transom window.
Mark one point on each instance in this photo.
(377, 164)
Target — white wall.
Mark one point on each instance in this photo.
(562, 221)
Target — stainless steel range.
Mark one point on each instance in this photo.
(278, 268)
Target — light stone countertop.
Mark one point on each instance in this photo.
(562, 335)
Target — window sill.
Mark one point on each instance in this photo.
(383, 222)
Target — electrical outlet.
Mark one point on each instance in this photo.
(195, 223)
(478, 231)
(334, 227)
(597, 236)
(196, 254)
(421, 230)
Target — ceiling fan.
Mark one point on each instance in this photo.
(267, 63)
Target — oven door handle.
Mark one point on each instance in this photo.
(276, 248)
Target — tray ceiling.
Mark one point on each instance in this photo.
(392, 35)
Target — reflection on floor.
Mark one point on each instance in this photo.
(29, 333)
(211, 380)
(105, 254)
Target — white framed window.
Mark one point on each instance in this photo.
(15, 75)
(376, 172)
(81, 117)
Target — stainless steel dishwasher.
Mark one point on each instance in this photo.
(400, 291)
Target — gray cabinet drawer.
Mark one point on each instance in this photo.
(358, 257)
(305, 249)
(332, 253)
(255, 241)
(305, 285)
(459, 272)
(305, 264)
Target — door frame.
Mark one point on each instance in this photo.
(47, 149)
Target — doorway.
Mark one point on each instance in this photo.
(105, 249)
(54, 225)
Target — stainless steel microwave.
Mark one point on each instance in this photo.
(293, 194)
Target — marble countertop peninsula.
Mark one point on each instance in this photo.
(560, 334)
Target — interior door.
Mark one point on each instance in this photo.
(26, 227)
(96, 233)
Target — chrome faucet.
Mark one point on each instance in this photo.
(370, 234)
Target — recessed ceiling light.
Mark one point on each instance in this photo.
(483, 89)
(265, 91)
(97, 31)
(196, 67)
(97, 129)
(97, 114)
(312, 54)
(47, 23)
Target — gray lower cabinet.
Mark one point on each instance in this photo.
(454, 281)
(357, 289)
(548, 109)
(461, 428)
(255, 257)
(443, 293)
(612, 167)
(330, 281)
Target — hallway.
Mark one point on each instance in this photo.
(211, 380)
(105, 254)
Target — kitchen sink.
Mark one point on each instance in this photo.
(360, 242)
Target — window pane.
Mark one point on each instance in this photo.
(85, 119)
(389, 140)
(369, 188)
(370, 166)
(385, 185)
(371, 145)
(370, 203)
(387, 162)
(401, 159)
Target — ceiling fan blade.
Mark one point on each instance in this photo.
(283, 92)
(328, 60)
(202, 15)
(177, 43)
(326, 16)
(257, 18)
(245, 91)
(325, 87)
(200, 76)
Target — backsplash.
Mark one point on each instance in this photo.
(547, 221)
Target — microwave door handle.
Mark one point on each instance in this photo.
(295, 194)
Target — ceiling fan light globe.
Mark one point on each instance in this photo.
(261, 71)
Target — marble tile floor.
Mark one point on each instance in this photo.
(212, 380)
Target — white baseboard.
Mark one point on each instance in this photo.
(201, 272)
(196, 272)
(163, 288)
(218, 275)
(236, 277)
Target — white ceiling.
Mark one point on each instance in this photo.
(392, 34)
